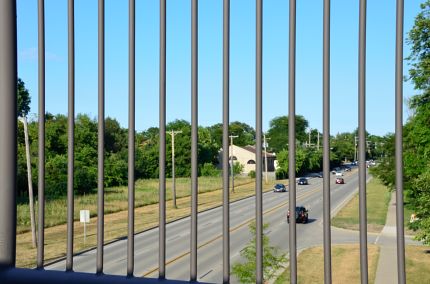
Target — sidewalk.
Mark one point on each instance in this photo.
(387, 263)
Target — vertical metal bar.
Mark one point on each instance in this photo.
(326, 138)
(362, 140)
(225, 134)
(131, 135)
(101, 134)
(162, 153)
(292, 140)
(41, 135)
(194, 137)
(258, 146)
(401, 275)
(71, 133)
(8, 125)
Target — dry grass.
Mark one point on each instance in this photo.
(116, 199)
(378, 198)
(345, 265)
(417, 264)
(116, 223)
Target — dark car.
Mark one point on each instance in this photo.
(340, 180)
(301, 215)
(279, 187)
(302, 181)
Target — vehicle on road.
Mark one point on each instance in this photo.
(339, 174)
(279, 187)
(303, 181)
(301, 215)
(340, 180)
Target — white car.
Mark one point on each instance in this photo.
(339, 174)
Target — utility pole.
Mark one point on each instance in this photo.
(265, 155)
(173, 133)
(30, 184)
(231, 161)
(318, 141)
(309, 143)
(355, 148)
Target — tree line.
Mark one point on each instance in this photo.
(416, 131)
(309, 154)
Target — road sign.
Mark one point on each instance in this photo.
(85, 216)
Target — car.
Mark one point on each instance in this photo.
(302, 181)
(301, 215)
(339, 174)
(279, 187)
(340, 180)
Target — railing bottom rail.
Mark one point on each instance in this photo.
(34, 276)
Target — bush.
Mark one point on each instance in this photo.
(272, 259)
(251, 174)
(281, 174)
(209, 170)
(238, 168)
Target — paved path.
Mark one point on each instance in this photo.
(387, 263)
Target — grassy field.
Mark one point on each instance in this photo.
(378, 198)
(146, 193)
(417, 264)
(345, 265)
(146, 217)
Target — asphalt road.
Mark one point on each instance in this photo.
(275, 206)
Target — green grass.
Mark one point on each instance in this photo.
(345, 265)
(378, 198)
(417, 264)
(146, 193)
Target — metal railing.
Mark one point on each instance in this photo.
(8, 146)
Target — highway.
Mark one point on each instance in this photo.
(275, 206)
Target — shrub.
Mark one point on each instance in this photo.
(209, 170)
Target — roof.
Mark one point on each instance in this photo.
(252, 149)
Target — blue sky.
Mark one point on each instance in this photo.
(344, 60)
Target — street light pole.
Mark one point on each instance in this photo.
(265, 155)
(173, 133)
(231, 161)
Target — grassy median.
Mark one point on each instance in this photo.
(345, 265)
(146, 214)
(378, 198)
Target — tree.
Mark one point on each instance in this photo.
(23, 99)
(245, 133)
(272, 260)
(416, 151)
(278, 132)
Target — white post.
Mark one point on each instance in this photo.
(265, 156)
(232, 162)
(30, 184)
(173, 133)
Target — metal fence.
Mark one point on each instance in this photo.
(8, 146)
